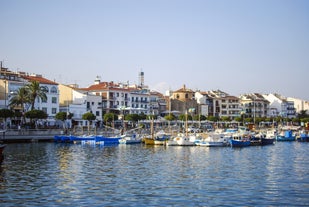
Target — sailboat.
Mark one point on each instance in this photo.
(182, 139)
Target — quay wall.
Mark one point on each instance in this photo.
(29, 135)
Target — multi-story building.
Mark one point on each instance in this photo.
(11, 82)
(79, 101)
(224, 105)
(254, 105)
(299, 105)
(51, 104)
(280, 106)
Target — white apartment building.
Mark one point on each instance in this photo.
(280, 106)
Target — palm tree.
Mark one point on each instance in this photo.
(20, 98)
(36, 91)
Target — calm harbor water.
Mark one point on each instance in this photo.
(53, 174)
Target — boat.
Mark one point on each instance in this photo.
(215, 140)
(287, 136)
(303, 137)
(239, 140)
(158, 138)
(78, 139)
(62, 138)
(181, 140)
(262, 139)
(2, 146)
(130, 139)
(107, 140)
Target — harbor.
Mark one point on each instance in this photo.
(59, 174)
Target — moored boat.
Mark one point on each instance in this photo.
(239, 141)
(287, 136)
(181, 140)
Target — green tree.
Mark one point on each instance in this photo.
(35, 91)
(132, 117)
(109, 117)
(213, 118)
(20, 98)
(170, 117)
(35, 115)
(62, 116)
(6, 113)
(89, 117)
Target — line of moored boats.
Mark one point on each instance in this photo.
(238, 137)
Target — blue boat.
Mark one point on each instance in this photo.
(108, 140)
(239, 141)
(304, 137)
(62, 138)
(82, 138)
(288, 136)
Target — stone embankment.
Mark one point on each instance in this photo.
(29, 135)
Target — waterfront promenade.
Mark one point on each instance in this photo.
(29, 135)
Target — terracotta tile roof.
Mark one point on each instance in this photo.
(40, 79)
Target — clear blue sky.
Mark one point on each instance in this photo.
(238, 46)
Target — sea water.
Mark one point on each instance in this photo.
(54, 174)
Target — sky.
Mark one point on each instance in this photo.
(237, 46)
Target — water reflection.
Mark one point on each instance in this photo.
(46, 174)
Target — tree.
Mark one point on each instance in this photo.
(35, 91)
(89, 117)
(20, 98)
(61, 116)
(36, 114)
(109, 117)
(6, 113)
(170, 117)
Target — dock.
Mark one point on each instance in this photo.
(15, 136)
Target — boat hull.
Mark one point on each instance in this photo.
(239, 143)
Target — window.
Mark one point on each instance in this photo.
(54, 110)
(54, 99)
(53, 89)
(97, 113)
(44, 101)
(45, 89)
(44, 109)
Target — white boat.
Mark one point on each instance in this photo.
(182, 140)
(130, 139)
(215, 140)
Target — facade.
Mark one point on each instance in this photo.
(51, 105)
(280, 106)
(224, 105)
(300, 105)
(78, 102)
(254, 105)
(182, 100)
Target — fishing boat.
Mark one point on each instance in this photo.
(130, 139)
(107, 140)
(287, 136)
(214, 140)
(2, 146)
(182, 140)
(303, 137)
(239, 140)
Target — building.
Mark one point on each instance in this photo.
(254, 105)
(280, 106)
(223, 104)
(78, 102)
(182, 100)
